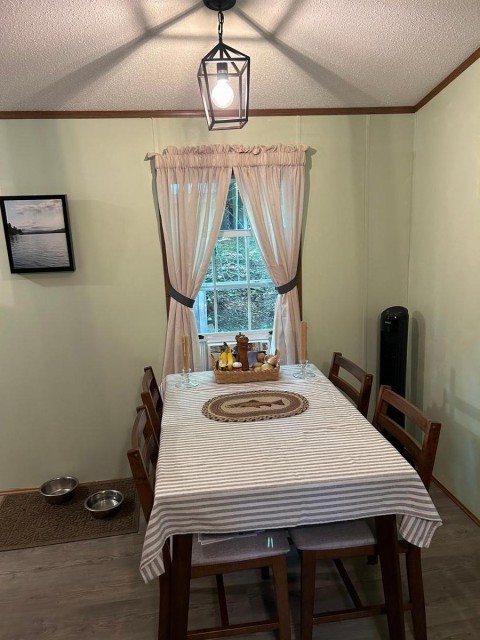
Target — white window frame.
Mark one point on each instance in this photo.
(253, 334)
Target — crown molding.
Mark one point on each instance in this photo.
(333, 111)
(59, 115)
(450, 78)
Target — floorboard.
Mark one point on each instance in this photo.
(93, 589)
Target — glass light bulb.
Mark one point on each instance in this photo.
(222, 94)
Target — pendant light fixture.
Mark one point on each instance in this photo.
(224, 79)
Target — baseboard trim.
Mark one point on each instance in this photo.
(12, 491)
(456, 501)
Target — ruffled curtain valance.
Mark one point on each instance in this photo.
(225, 155)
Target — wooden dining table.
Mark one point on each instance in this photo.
(326, 464)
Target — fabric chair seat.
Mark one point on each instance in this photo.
(241, 548)
(337, 535)
(334, 535)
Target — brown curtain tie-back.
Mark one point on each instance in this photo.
(179, 297)
(285, 288)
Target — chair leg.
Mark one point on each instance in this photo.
(387, 544)
(222, 600)
(308, 562)
(417, 597)
(279, 570)
(164, 607)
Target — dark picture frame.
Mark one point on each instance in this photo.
(37, 233)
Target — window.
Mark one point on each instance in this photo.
(237, 293)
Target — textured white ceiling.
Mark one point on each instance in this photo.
(144, 54)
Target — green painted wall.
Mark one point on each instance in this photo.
(73, 345)
(444, 288)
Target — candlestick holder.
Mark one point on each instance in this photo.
(186, 381)
(304, 371)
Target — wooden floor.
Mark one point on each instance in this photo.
(93, 589)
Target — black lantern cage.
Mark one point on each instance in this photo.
(225, 62)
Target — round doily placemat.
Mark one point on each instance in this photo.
(247, 406)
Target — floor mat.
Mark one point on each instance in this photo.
(26, 520)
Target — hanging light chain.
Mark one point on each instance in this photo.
(220, 26)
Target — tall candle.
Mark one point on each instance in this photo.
(303, 341)
(186, 363)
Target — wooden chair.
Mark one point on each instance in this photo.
(152, 399)
(360, 397)
(267, 549)
(358, 538)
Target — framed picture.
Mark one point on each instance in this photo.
(37, 233)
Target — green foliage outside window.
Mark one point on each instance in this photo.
(237, 293)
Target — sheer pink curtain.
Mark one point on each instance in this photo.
(271, 181)
(192, 186)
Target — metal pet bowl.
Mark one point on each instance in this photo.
(58, 490)
(104, 503)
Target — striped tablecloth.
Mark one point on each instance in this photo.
(327, 464)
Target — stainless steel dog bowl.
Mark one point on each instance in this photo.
(104, 503)
(58, 490)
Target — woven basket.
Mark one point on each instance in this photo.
(252, 375)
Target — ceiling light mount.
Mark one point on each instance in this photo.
(224, 79)
(219, 5)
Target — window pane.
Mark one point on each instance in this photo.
(230, 260)
(263, 306)
(237, 293)
(232, 309)
(258, 271)
(229, 218)
(209, 274)
(234, 217)
(243, 222)
(210, 306)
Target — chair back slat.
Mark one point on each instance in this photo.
(142, 428)
(360, 397)
(152, 399)
(142, 482)
(421, 454)
(142, 458)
